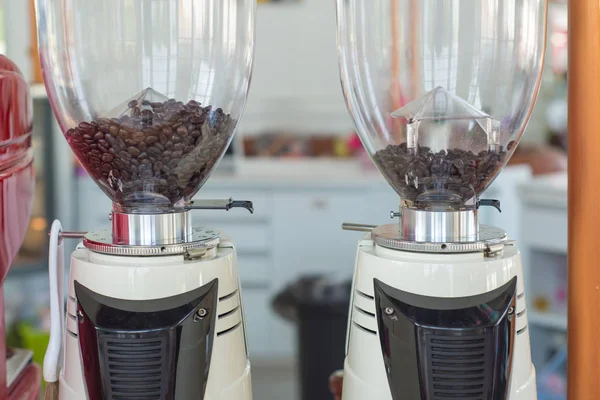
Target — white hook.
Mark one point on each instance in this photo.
(53, 359)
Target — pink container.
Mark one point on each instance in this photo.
(16, 192)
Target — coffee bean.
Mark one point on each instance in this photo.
(124, 155)
(86, 126)
(128, 151)
(182, 131)
(134, 151)
(149, 140)
(82, 147)
(153, 151)
(137, 136)
(413, 173)
(95, 153)
(106, 167)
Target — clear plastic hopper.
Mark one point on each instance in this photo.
(440, 92)
(147, 93)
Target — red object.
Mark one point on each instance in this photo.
(354, 142)
(336, 383)
(27, 387)
(16, 196)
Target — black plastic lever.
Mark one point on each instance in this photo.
(489, 203)
(221, 205)
(247, 204)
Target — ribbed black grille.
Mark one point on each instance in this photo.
(135, 368)
(458, 367)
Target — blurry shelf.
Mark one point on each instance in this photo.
(38, 91)
(26, 268)
(548, 320)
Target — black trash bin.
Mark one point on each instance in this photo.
(318, 305)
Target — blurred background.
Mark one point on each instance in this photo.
(297, 158)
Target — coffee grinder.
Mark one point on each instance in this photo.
(148, 95)
(440, 93)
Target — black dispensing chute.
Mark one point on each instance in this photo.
(489, 203)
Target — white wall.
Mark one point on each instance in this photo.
(296, 83)
(16, 29)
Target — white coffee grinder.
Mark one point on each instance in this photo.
(440, 93)
(148, 95)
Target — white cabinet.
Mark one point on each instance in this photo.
(269, 337)
(307, 232)
(543, 246)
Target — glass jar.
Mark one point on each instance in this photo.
(441, 91)
(147, 93)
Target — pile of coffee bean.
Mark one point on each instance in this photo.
(457, 172)
(155, 151)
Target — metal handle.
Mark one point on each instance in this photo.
(72, 235)
(348, 226)
(221, 205)
(69, 235)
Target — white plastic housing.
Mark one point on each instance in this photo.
(438, 275)
(146, 278)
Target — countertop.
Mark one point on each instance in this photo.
(292, 173)
(547, 190)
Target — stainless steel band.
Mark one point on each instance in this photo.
(151, 229)
(439, 226)
(436, 232)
